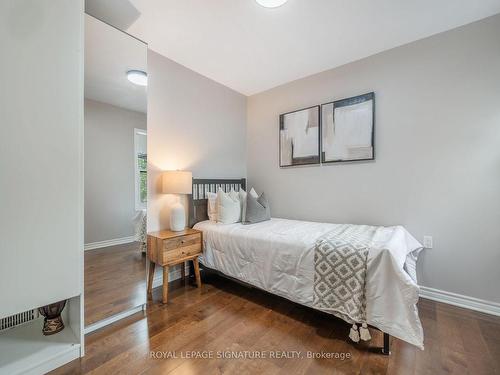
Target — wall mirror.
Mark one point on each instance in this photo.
(115, 173)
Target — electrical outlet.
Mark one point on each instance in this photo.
(428, 242)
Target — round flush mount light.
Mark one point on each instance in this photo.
(271, 3)
(137, 77)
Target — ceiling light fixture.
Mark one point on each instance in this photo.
(137, 77)
(271, 3)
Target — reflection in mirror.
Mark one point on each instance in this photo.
(115, 173)
(118, 13)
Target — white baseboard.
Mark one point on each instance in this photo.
(116, 241)
(172, 275)
(55, 362)
(112, 319)
(449, 298)
(460, 300)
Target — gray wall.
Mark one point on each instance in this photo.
(437, 168)
(194, 124)
(109, 170)
(41, 153)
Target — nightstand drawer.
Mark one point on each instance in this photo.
(174, 243)
(182, 252)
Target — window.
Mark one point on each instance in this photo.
(141, 169)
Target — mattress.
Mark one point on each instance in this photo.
(278, 256)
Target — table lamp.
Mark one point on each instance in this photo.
(177, 182)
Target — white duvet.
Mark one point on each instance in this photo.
(278, 256)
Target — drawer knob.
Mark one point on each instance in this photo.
(182, 241)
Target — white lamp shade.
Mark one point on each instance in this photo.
(177, 182)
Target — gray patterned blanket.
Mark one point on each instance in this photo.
(340, 261)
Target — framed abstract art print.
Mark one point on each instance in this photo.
(348, 129)
(299, 137)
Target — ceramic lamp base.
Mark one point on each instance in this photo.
(177, 217)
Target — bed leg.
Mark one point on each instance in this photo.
(386, 350)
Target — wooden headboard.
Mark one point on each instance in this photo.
(198, 200)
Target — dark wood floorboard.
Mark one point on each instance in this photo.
(115, 281)
(225, 316)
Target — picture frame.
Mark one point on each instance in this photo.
(348, 129)
(300, 137)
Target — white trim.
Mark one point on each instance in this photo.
(76, 313)
(113, 242)
(471, 303)
(172, 275)
(112, 319)
(55, 362)
(449, 298)
(34, 353)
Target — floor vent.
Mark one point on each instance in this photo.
(18, 319)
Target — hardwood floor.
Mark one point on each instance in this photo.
(115, 281)
(224, 316)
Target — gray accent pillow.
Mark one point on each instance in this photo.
(257, 209)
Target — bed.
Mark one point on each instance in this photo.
(278, 257)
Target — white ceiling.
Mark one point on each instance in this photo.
(109, 54)
(251, 49)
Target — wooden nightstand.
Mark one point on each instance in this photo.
(167, 248)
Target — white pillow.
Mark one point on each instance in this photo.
(212, 206)
(228, 207)
(236, 196)
(242, 197)
(243, 200)
(253, 193)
